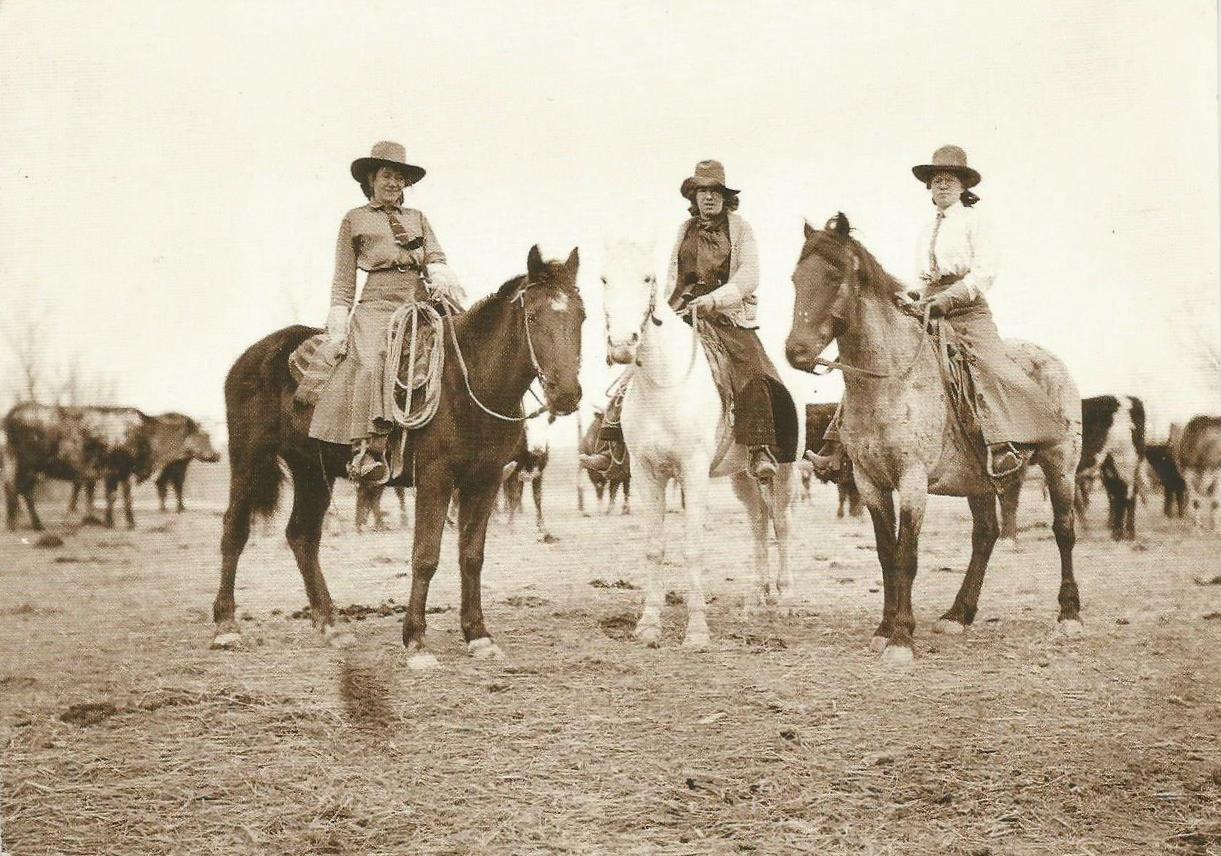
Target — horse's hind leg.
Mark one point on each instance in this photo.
(311, 497)
(474, 509)
(1062, 486)
(984, 532)
(782, 501)
(235, 533)
(757, 594)
(695, 483)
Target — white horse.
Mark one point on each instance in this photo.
(674, 427)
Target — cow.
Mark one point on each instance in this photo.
(1199, 456)
(818, 417)
(1113, 450)
(528, 465)
(88, 444)
(1164, 467)
(619, 474)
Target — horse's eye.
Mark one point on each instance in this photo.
(648, 280)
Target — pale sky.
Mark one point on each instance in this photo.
(172, 176)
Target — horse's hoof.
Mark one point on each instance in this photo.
(484, 649)
(695, 641)
(948, 627)
(878, 644)
(649, 634)
(1070, 627)
(422, 661)
(897, 655)
(336, 638)
(228, 641)
(548, 538)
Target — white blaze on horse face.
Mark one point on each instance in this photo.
(560, 302)
(628, 289)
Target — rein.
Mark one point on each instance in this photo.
(520, 299)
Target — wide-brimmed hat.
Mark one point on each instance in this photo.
(388, 154)
(951, 159)
(708, 173)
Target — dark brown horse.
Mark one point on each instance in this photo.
(899, 428)
(530, 328)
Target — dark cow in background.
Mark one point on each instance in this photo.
(818, 417)
(1165, 469)
(1112, 449)
(619, 474)
(528, 465)
(1199, 456)
(89, 444)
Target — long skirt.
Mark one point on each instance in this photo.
(352, 403)
(1009, 405)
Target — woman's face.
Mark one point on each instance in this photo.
(709, 201)
(945, 189)
(388, 184)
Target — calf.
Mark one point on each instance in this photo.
(818, 417)
(1199, 456)
(528, 466)
(86, 444)
(369, 501)
(1163, 465)
(1112, 449)
(619, 474)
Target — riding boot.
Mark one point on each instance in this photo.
(828, 461)
(763, 464)
(1005, 459)
(368, 465)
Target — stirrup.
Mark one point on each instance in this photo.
(827, 466)
(594, 463)
(761, 458)
(366, 468)
(1017, 455)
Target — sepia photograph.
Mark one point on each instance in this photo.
(558, 427)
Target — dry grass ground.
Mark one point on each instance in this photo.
(786, 737)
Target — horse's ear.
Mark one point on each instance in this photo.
(534, 263)
(574, 261)
(810, 230)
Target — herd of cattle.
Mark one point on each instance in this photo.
(113, 445)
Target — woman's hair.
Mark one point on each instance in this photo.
(366, 183)
(730, 199)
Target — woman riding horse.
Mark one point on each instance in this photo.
(714, 272)
(956, 266)
(405, 262)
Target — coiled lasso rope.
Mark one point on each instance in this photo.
(419, 407)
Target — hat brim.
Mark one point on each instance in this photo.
(690, 185)
(966, 175)
(361, 167)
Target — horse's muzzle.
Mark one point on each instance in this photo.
(623, 354)
(562, 400)
(801, 354)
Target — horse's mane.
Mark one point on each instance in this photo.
(837, 245)
(549, 275)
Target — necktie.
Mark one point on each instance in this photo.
(400, 234)
(933, 269)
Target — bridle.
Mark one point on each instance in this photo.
(854, 285)
(650, 315)
(519, 297)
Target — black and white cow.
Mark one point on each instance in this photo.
(529, 465)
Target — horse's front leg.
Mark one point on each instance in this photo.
(544, 534)
(695, 484)
(881, 507)
(433, 489)
(475, 504)
(783, 493)
(913, 496)
(648, 628)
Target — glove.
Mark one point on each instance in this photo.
(702, 305)
(337, 323)
(443, 283)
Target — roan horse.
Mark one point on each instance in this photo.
(530, 328)
(902, 435)
(672, 421)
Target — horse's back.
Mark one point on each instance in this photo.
(265, 363)
(1051, 374)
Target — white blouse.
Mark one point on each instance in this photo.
(963, 248)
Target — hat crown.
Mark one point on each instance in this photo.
(711, 170)
(387, 150)
(950, 156)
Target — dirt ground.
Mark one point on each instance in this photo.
(124, 734)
